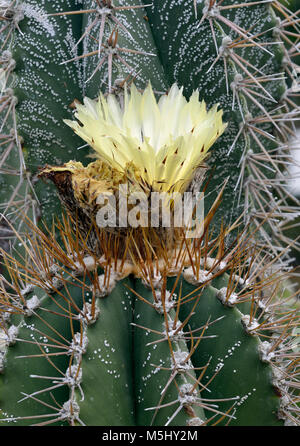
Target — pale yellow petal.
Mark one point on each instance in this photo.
(166, 140)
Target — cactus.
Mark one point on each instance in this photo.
(118, 349)
(147, 327)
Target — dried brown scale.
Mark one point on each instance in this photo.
(63, 182)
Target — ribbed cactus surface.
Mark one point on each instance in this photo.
(89, 346)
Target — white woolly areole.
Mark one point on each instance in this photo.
(187, 395)
(54, 269)
(202, 276)
(89, 264)
(8, 337)
(228, 301)
(70, 410)
(73, 375)
(181, 364)
(79, 344)
(195, 421)
(28, 288)
(106, 284)
(155, 280)
(279, 374)
(173, 333)
(89, 313)
(248, 325)
(11, 11)
(6, 316)
(55, 283)
(169, 301)
(264, 351)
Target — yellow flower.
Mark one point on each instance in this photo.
(166, 141)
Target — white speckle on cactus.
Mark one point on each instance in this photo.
(245, 397)
(230, 351)
(219, 366)
(38, 14)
